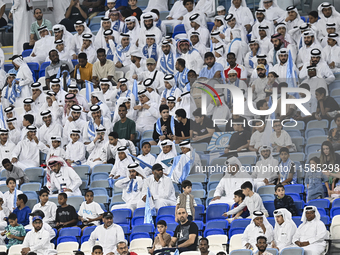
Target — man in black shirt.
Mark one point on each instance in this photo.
(73, 13)
(326, 104)
(186, 233)
(202, 129)
(164, 128)
(182, 129)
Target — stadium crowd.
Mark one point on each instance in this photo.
(114, 110)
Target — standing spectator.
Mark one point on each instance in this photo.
(21, 15)
(40, 22)
(74, 12)
(186, 200)
(3, 16)
(59, 8)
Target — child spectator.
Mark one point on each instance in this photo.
(15, 232)
(162, 239)
(136, 11)
(55, 150)
(284, 201)
(90, 213)
(22, 211)
(334, 133)
(75, 150)
(287, 168)
(147, 158)
(314, 179)
(121, 162)
(66, 215)
(167, 154)
(186, 200)
(238, 199)
(4, 212)
(280, 138)
(10, 196)
(49, 208)
(96, 250)
(14, 172)
(150, 49)
(253, 201)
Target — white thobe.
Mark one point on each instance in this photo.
(96, 150)
(107, 237)
(255, 29)
(41, 49)
(149, 159)
(46, 227)
(186, 20)
(332, 54)
(242, 14)
(69, 178)
(158, 83)
(91, 54)
(163, 192)
(76, 152)
(59, 8)
(304, 53)
(6, 151)
(265, 169)
(120, 168)
(126, 58)
(281, 70)
(315, 233)
(39, 102)
(204, 35)
(228, 184)
(45, 133)
(49, 209)
(138, 70)
(206, 6)
(314, 83)
(153, 30)
(270, 55)
(106, 124)
(178, 10)
(322, 70)
(78, 124)
(8, 198)
(146, 118)
(200, 47)
(25, 80)
(275, 14)
(27, 153)
(193, 60)
(112, 149)
(38, 242)
(283, 234)
(252, 232)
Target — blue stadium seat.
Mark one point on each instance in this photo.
(294, 133)
(326, 220)
(317, 124)
(197, 186)
(63, 239)
(212, 185)
(89, 230)
(26, 53)
(241, 251)
(34, 174)
(99, 191)
(179, 29)
(215, 211)
(213, 231)
(84, 238)
(44, 65)
(336, 203)
(240, 223)
(295, 196)
(314, 132)
(172, 226)
(167, 210)
(34, 68)
(99, 176)
(293, 251)
(200, 226)
(322, 212)
(297, 220)
(197, 178)
(139, 235)
(270, 189)
(139, 212)
(139, 220)
(267, 197)
(269, 205)
(74, 62)
(31, 194)
(145, 228)
(33, 186)
(71, 231)
(210, 25)
(8, 67)
(220, 224)
(248, 160)
(199, 212)
(41, 73)
(102, 168)
(99, 184)
(166, 218)
(320, 203)
(94, 27)
(83, 171)
(235, 231)
(311, 148)
(299, 206)
(335, 211)
(294, 188)
(122, 216)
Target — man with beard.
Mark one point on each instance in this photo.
(132, 29)
(138, 66)
(167, 59)
(149, 27)
(309, 44)
(314, 81)
(261, 21)
(332, 51)
(37, 240)
(50, 128)
(261, 244)
(281, 67)
(279, 42)
(322, 69)
(123, 249)
(181, 77)
(204, 247)
(6, 146)
(192, 57)
(240, 69)
(260, 59)
(212, 69)
(186, 233)
(125, 127)
(248, 59)
(104, 68)
(258, 86)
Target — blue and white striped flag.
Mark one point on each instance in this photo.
(89, 90)
(135, 90)
(149, 210)
(2, 119)
(291, 75)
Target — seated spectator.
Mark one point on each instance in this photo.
(161, 195)
(164, 128)
(183, 198)
(63, 177)
(284, 229)
(97, 148)
(265, 172)
(10, 196)
(88, 48)
(311, 234)
(45, 226)
(75, 150)
(66, 215)
(238, 199)
(280, 138)
(256, 137)
(22, 211)
(147, 157)
(104, 68)
(212, 70)
(334, 133)
(4, 212)
(14, 172)
(182, 126)
(287, 168)
(56, 149)
(37, 240)
(258, 226)
(97, 119)
(186, 233)
(234, 177)
(162, 240)
(83, 70)
(15, 232)
(167, 154)
(239, 140)
(114, 143)
(314, 180)
(284, 201)
(261, 244)
(203, 246)
(108, 234)
(202, 129)
(47, 207)
(125, 127)
(90, 212)
(122, 160)
(74, 13)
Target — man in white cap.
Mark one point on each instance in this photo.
(242, 13)
(74, 122)
(309, 43)
(311, 234)
(284, 230)
(97, 98)
(259, 226)
(132, 186)
(147, 112)
(221, 11)
(93, 124)
(322, 69)
(122, 58)
(88, 48)
(6, 146)
(63, 177)
(97, 148)
(138, 66)
(161, 189)
(234, 177)
(26, 153)
(332, 52)
(49, 128)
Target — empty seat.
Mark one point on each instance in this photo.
(75, 201)
(292, 251)
(83, 171)
(71, 231)
(241, 252)
(266, 189)
(99, 176)
(138, 235)
(30, 186)
(235, 242)
(166, 210)
(102, 168)
(197, 177)
(122, 216)
(215, 211)
(89, 230)
(34, 174)
(213, 231)
(99, 183)
(269, 205)
(221, 224)
(67, 239)
(240, 223)
(267, 197)
(317, 124)
(166, 218)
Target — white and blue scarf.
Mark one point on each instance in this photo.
(153, 52)
(181, 78)
(116, 26)
(168, 67)
(120, 92)
(131, 187)
(172, 92)
(16, 91)
(159, 126)
(91, 129)
(236, 39)
(120, 50)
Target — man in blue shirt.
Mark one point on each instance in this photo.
(212, 69)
